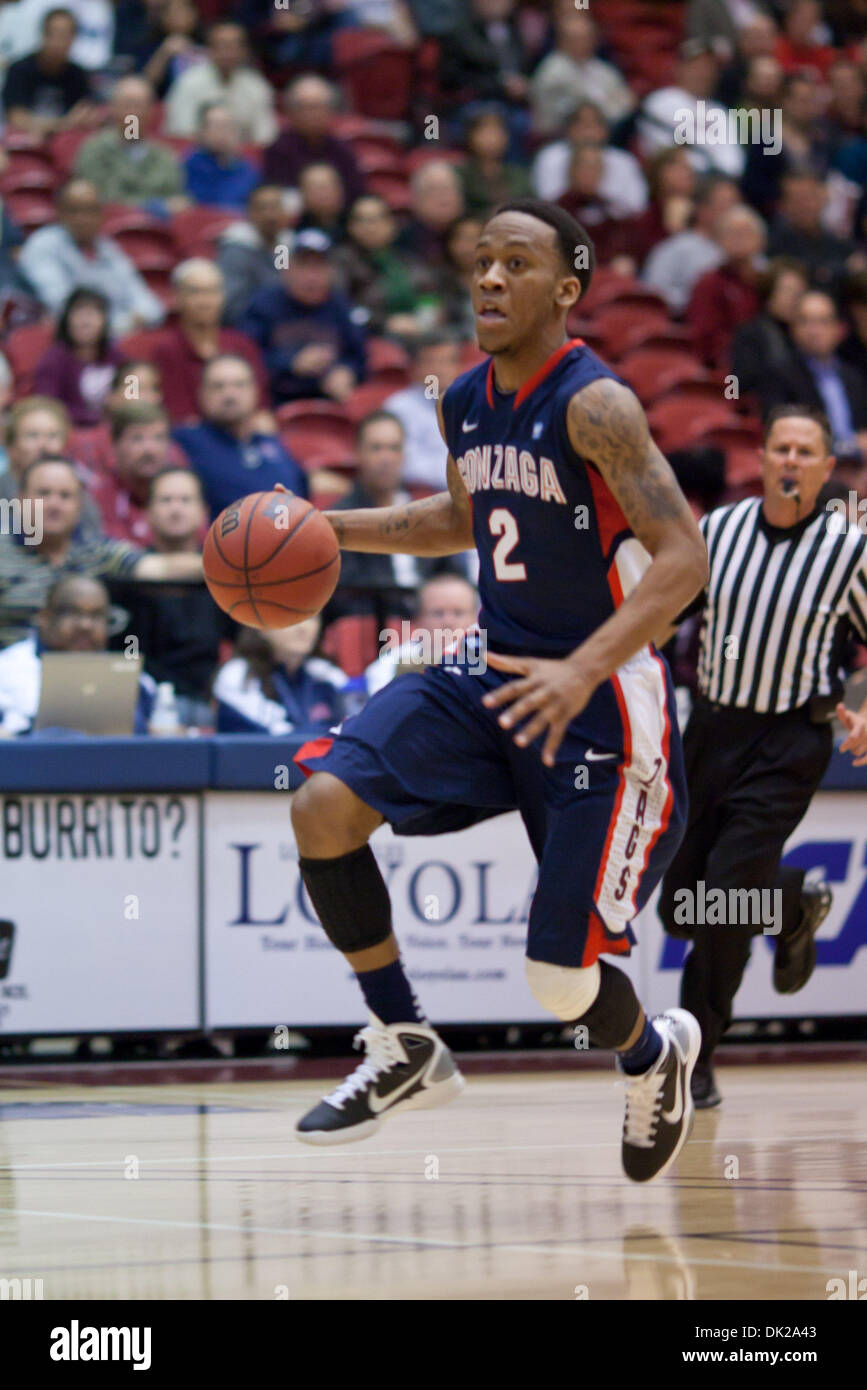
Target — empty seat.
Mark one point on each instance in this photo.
(384, 352)
(23, 348)
(623, 326)
(371, 396)
(375, 72)
(352, 643)
(195, 230)
(653, 372)
(677, 422)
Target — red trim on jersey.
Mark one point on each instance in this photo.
(489, 384)
(598, 943)
(609, 515)
(545, 370)
(611, 523)
(315, 748)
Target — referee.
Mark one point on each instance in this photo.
(786, 593)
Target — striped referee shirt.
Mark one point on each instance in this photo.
(780, 606)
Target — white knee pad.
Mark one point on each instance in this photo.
(563, 990)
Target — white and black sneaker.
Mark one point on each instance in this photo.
(659, 1106)
(407, 1067)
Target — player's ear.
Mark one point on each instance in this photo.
(568, 292)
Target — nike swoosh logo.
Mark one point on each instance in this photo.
(597, 757)
(467, 428)
(377, 1103)
(675, 1114)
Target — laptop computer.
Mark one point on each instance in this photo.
(94, 692)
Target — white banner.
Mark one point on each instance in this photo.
(832, 836)
(99, 913)
(460, 907)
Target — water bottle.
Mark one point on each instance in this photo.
(165, 721)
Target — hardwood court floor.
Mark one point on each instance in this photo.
(513, 1192)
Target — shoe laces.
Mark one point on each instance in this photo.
(383, 1050)
(643, 1103)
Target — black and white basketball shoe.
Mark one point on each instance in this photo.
(659, 1106)
(406, 1067)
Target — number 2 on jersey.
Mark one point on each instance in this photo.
(504, 525)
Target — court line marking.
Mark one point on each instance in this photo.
(340, 1152)
(682, 1262)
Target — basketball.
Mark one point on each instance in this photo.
(271, 560)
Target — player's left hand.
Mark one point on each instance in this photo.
(855, 741)
(553, 691)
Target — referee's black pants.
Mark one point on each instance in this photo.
(750, 779)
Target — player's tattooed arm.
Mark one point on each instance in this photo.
(438, 525)
(607, 425)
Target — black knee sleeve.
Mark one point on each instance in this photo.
(350, 898)
(614, 1012)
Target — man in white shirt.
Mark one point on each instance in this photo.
(573, 71)
(623, 187)
(70, 253)
(225, 77)
(448, 606)
(677, 263)
(435, 365)
(75, 619)
(688, 105)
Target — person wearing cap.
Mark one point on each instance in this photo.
(662, 112)
(306, 332)
(180, 352)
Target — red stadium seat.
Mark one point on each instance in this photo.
(146, 240)
(38, 180)
(318, 446)
(139, 346)
(647, 71)
(317, 410)
(195, 230)
(352, 643)
(375, 72)
(384, 352)
(743, 432)
(23, 348)
(350, 123)
(426, 79)
(428, 154)
(394, 378)
(371, 396)
(652, 373)
(621, 290)
(678, 422)
(159, 280)
(651, 335)
(393, 187)
(624, 325)
(375, 151)
(743, 465)
(64, 149)
(30, 210)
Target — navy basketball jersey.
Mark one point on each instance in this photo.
(556, 554)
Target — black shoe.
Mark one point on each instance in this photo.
(659, 1108)
(795, 954)
(703, 1086)
(407, 1067)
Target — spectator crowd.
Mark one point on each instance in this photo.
(236, 243)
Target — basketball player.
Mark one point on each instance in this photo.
(586, 547)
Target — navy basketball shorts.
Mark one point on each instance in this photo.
(604, 822)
